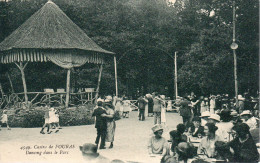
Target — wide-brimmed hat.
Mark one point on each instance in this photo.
(108, 98)
(162, 97)
(246, 112)
(234, 113)
(100, 100)
(240, 97)
(157, 127)
(88, 148)
(205, 114)
(215, 117)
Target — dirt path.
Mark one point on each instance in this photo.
(28, 145)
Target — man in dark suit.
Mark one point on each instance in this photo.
(196, 130)
(185, 111)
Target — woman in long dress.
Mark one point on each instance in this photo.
(163, 111)
(111, 124)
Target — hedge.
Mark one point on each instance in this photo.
(34, 117)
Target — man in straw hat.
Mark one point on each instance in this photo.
(157, 144)
(89, 153)
(250, 120)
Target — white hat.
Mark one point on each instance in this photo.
(100, 100)
(163, 97)
(205, 114)
(245, 112)
(108, 98)
(240, 97)
(215, 117)
(157, 127)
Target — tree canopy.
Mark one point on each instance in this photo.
(145, 34)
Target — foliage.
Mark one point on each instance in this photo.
(144, 34)
(34, 117)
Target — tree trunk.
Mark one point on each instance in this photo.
(10, 81)
(1, 90)
(21, 67)
(99, 79)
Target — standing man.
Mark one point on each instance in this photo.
(157, 101)
(101, 124)
(141, 106)
(185, 111)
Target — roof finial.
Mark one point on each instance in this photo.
(49, 1)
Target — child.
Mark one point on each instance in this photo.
(101, 124)
(53, 119)
(46, 117)
(4, 120)
(57, 119)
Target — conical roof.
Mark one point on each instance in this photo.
(50, 28)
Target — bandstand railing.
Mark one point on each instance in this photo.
(17, 100)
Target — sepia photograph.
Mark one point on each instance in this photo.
(129, 81)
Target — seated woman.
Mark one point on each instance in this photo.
(207, 144)
(157, 144)
(225, 126)
(196, 130)
(243, 145)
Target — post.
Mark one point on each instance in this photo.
(68, 89)
(116, 75)
(10, 81)
(234, 51)
(99, 79)
(175, 75)
(21, 67)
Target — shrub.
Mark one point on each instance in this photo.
(34, 117)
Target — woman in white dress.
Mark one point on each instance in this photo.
(163, 111)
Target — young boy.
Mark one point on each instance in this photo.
(101, 124)
(4, 120)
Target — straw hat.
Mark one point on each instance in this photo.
(100, 100)
(163, 97)
(240, 97)
(234, 113)
(108, 98)
(215, 117)
(205, 114)
(245, 112)
(157, 127)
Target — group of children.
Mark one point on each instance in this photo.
(51, 117)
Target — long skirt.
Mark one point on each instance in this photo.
(111, 127)
(150, 108)
(163, 116)
(146, 111)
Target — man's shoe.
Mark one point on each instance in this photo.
(42, 132)
(111, 146)
(102, 147)
(50, 132)
(56, 131)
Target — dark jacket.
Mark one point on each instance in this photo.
(101, 122)
(185, 109)
(244, 152)
(141, 103)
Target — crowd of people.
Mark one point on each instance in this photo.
(225, 132)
